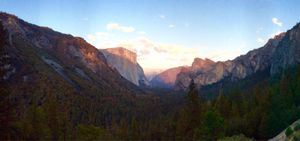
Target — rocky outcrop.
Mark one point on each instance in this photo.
(201, 64)
(125, 62)
(277, 54)
(37, 52)
(288, 52)
(167, 78)
(242, 66)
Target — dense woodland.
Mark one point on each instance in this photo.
(260, 114)
(49, 109)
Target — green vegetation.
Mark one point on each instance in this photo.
(289, 131)
(297, 127)
(296, 136)
(49, 114)
(292, 132)
(49, 108)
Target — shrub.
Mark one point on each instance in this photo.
(297, 127)
(289, 131)
(296, 136)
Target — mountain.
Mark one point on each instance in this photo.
(198, 66)
(125, 62)
(201, 64)
(70, 58)
(205, 71)
(60, 82)
(254, 61)
(287, 53)
(54, 86)
(166, 79)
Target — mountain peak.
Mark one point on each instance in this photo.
(202, 60)
(122, 52)
(125, 62)
(167, 78)
(6, 15)
(10, 22)
(200, 63)
(296, 26)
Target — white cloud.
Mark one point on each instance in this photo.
(99, 35)
(116, 26)
(103, 34)
(162, 16)
(171, 25)
(260, 40)
(158, 55)
(167, 56)
(141, 32)
(99, 39)
(277, 22)
(263, 41)
(274, 34)
(91, 37)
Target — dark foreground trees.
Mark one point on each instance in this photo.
(261, 112)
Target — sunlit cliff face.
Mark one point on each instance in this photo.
(125, 62)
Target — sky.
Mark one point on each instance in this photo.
(165, 33)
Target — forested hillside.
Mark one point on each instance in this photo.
(43, 96)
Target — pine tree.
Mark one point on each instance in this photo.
(193, 111)
(223, 105)
(213, 124)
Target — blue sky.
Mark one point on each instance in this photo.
(165, 33)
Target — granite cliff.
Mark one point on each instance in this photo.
(32, 52)
(125, 62)
(278, 52)
(238, 68)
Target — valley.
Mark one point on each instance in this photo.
(56, 86)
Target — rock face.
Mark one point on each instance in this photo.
(167, 78)
(288, 51)
(200, 64)
(35, 52)
(277, 54)
(242, 66)
(124, 61)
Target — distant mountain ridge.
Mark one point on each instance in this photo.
(68, 56)
(167, 78)
(78, 63)
(60, 77)
(125, 62)
(205, 72)
(242, 66)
